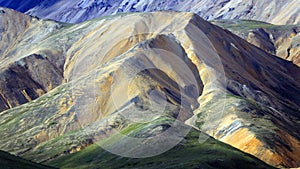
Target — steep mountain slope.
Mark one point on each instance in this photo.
(138, 79)
(283, 41)
(22, 80)
(273, 11)
(8, 161)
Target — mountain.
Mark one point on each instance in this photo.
(140, 85)
(273, 11)
(8, 161)
(282, 40)
(22, 80)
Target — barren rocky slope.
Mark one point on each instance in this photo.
(28, 68)
(282, 41)
(146, 75)
(273, 11)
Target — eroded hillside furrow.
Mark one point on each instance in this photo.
(28, 79)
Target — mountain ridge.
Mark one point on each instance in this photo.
(81, 10)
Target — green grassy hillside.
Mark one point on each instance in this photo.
(211, 154)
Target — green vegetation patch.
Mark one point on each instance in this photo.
(188, 154)
(246, 25)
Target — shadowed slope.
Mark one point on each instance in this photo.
(8, 161)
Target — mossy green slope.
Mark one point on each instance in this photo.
(211, 154)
